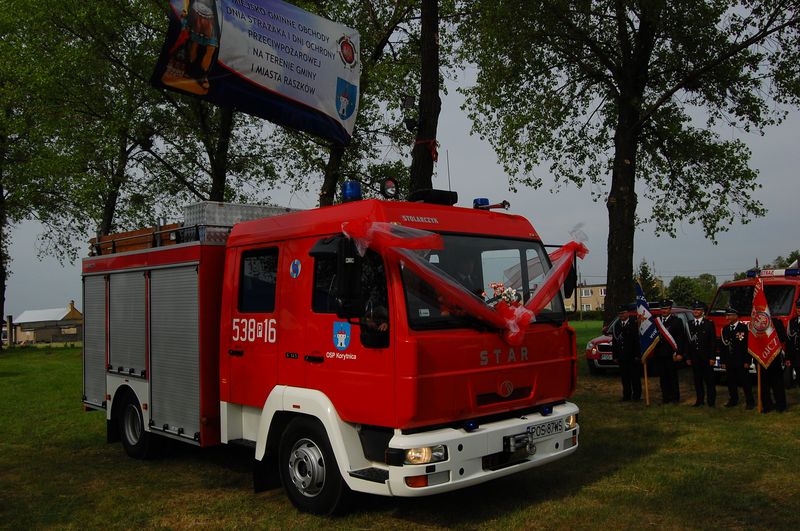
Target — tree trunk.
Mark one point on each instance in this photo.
(328, 191)
(622, 213)
(219, 162)
(430, 104)
(118, 178)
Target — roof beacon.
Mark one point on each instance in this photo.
(351, 191)
(793, 272)
(482, 203)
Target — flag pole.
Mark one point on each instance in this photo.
(758, 371)
(646, 385)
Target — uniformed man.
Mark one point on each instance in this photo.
(701, 355)
(625, 347)
(773, 391)
(667, 357)
(737, 359)
(793, 340)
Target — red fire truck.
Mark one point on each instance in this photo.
(342, 373)
(782, 289)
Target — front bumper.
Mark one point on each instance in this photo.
(478, 456)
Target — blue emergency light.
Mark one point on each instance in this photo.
(351, 191)
(793, 272)
(480, 202)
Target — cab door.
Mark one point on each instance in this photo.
(252, 352)
(352, 360)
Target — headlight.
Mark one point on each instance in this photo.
(589, 345)
(570, 422)
(428, 454)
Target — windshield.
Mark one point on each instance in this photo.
(740, 298)
(475, 262)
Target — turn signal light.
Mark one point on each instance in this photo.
(416, 482)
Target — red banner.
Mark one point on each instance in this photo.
(763, 343)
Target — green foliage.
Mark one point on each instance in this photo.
(782, 263)
(685, 291)
(136, 153)
(650, 285)
(555, 89)
(381, 143)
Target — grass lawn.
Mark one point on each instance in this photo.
(637, 467)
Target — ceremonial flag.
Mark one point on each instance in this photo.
(648, 330)
(763, 343)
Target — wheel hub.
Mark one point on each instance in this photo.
(307, 467)
(133, 424)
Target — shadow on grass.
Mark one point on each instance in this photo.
(602, 454)
(605, 453)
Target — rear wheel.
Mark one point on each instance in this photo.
(309, 472)
(137, 442)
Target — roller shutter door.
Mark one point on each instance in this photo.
(174, 350)
(94, 340)
(127, 322)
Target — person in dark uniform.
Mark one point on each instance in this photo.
(737, 360)
(625, 347)
(701, 355)
(667, 357)
(793, 340)
(772, 386)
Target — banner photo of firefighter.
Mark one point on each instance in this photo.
(266, 58)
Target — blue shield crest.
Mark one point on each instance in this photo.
(346, 94)
(341, 335)
(294, 269)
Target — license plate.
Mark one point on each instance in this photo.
(523, 441)
(548, 428)
(606, 357)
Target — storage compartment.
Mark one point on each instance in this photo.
(94, 340)
(127, 326)
(175, 351)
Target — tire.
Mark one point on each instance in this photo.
(308, 469)
(594, 371)
(137, 442)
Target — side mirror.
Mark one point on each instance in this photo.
(348, 280)
(570, 282)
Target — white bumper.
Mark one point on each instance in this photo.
(467, 451)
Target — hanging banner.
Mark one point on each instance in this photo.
(266, 58)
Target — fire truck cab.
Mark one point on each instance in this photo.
(342, 374)
(781, 287)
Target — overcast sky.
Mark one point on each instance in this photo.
(474, 172)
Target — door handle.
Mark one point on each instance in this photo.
(314, 359)
(233, 352)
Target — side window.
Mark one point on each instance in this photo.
(322, 298)
(257, 279)
(375, 319)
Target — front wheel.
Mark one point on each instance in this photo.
(136, 441)
(309, 472)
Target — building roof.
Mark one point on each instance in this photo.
(38, 316)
